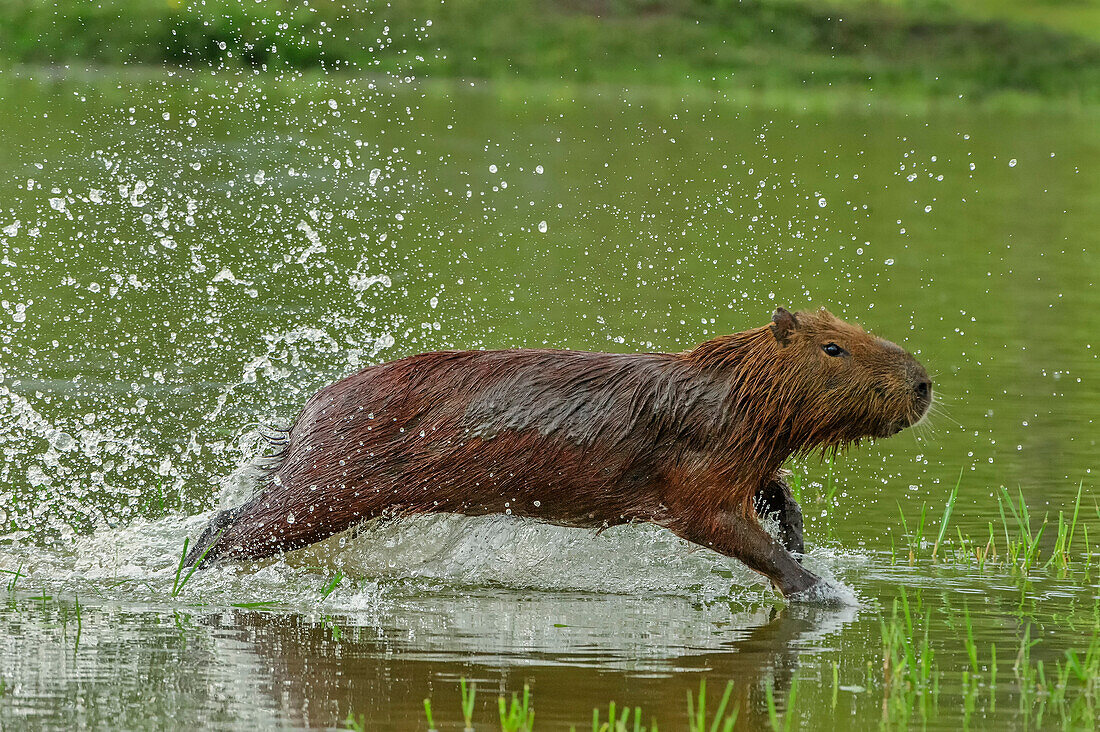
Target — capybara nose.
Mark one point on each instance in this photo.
(924, 390)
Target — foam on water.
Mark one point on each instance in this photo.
(526, 554)
(443, 552)
(519, 553)
(828, 592)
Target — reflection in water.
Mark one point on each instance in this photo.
(379, 646)
(563, 649)
(133, 668)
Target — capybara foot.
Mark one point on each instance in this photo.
(796, 583)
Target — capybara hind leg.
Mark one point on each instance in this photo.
(262, 534)
(742, 537)
(208, 545)
(775, 497)
(268, 525)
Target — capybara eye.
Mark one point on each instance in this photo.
(832, 349)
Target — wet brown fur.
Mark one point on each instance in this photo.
(583, 439)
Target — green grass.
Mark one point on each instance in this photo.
(1080, 17)
(15, 575)
(948, 507)
(332, 583)
(616, 722)
(179, 584)
(428, 714)
(468, 696)
(903, 47)
(79, 624)
(1022, 549)
(697, 711)
(911, 675)
(519, 716)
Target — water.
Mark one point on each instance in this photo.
(185, 258)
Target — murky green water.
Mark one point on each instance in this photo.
(185, 258)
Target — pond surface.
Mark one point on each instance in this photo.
(185, 258)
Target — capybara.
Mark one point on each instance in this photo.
(691, 441)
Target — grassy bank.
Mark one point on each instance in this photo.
(903, 47)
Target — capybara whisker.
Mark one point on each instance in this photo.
(691, 441)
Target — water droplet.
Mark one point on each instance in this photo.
(822, 202)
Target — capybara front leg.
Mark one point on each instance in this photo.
(742, 537)
(775, 497)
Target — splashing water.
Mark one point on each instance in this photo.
(187, 255)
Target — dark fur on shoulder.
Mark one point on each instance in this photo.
(692, 441)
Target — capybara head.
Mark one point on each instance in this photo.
(843, 384)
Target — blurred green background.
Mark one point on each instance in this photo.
(916, 48)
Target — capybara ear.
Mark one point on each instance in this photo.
(783, 323)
